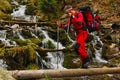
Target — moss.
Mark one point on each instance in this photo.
(32, 66)
(91, 47)
(18, 57)
(2, 52)
(106, 77)
(62, 37)
(21, 42)
(34, 46)
(15, 57)
(114, 61)
(9, 52)
(68, 62)
(5, 16)
(5, 5)
(30, 9)
(31, 53)
(5, 10)
(49, 45)
(26, 34)
(36, 41)
(47, 77)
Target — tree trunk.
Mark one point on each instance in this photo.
(37, 74)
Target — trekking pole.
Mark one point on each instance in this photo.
(57, 44)
(68, 28)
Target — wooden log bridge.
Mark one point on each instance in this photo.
(37, 74)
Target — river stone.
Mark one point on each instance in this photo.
(4, 75)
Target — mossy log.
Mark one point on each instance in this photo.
(37, 74)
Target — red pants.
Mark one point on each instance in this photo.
(81, 37)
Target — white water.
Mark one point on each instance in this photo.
(17, 31)
(3, 34)
(55, 58)
(98, 49)
(3, 64)
(20, 13)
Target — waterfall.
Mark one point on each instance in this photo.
(3, 38)
(32, 32)
(3, 64)
(39, 61)
(55, 59)
(98, 48)
(5, 42)
(20, 13)
(17, 31)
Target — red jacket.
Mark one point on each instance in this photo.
(77, 21)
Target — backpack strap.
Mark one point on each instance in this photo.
(84, 26)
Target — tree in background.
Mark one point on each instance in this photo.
(50, 8)
(31, 7)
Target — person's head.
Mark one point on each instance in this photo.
(68, 9)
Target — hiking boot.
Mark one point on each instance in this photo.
(86, 63)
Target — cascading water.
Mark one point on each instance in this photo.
(20, 13)
(98, 48)
(54, 62)
(3, 64)
(17, 31)
(55, 58)
(4, 40)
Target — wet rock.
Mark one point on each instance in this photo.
(116, 25)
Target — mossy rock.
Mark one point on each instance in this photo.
(32, 66)
(18, 57)
(71, 60)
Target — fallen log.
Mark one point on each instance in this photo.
(27, 23)
(37, 74)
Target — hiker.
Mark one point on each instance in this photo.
(76, 19)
